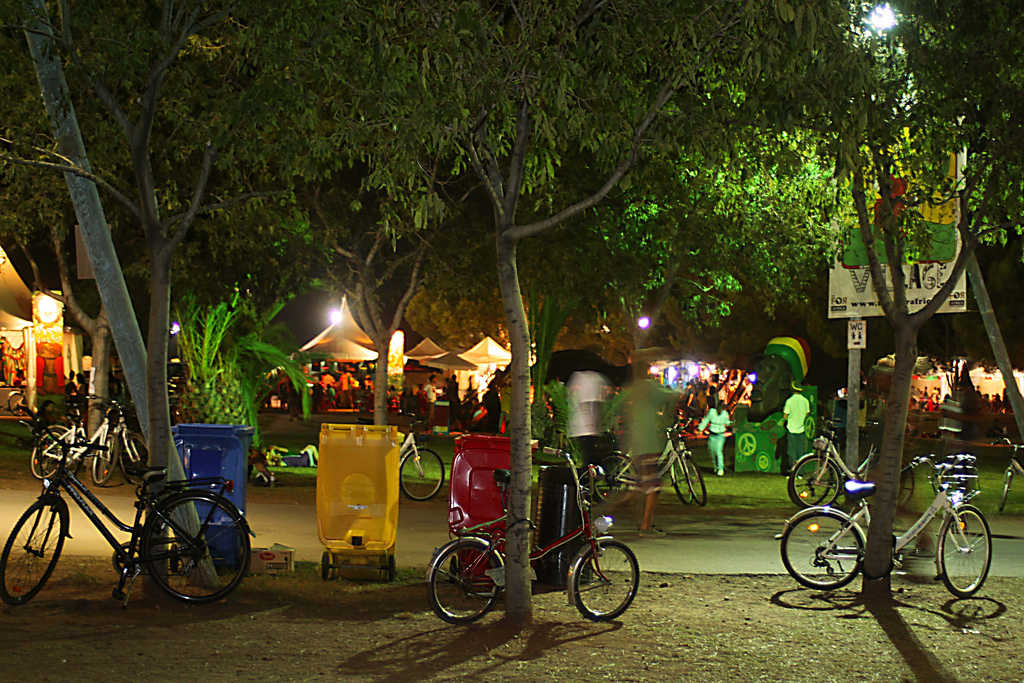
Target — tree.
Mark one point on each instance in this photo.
(520, 87)
(908, 105)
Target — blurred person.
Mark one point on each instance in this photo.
(649, 409)
(587, 390)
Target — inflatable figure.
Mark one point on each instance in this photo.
(759, 428)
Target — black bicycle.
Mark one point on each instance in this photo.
(190, 539)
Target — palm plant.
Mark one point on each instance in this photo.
(230, 371)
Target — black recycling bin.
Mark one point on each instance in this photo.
(557, 515)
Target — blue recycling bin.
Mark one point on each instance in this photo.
(216, 450)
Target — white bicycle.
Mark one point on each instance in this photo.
(420, 470)
(823, 547)
(123, 447)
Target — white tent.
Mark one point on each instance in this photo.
(450, 361)
(342, 340)
(487, 352)
(15, 297)
(425, 350)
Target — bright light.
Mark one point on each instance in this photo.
(672, 374)
(882, 18)
(175, 328)
(752, 378)
(335, 316)
(644, 322)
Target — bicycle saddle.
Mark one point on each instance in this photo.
(154, 475)
(856, 490)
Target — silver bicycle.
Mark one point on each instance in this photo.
(675, 460)
(818, 477)
(420, 470)
(823, 547)
(122, 447)
(1015, 466)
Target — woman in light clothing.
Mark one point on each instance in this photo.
(716, 419)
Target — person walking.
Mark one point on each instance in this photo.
(587, 390)
(647, 404)
(716, 420)
(794, 412)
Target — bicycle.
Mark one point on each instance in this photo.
(1016, 465)
(123, 447)
(816, 477)
(420, 470)
(823, 547)
(676, 460)
(193, 542)
(466, 575)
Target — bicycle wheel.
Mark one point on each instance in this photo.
(965, 553)
(32, 550)
(814, 480)
(421, 479)
(15, 401)
(103, 463)
(695, 481)
(1007, 480)
(131, 453)
(822, 549)
(463, 580)
(612, 482)
(680, 480)
(46, 452)
(196, 564)
(604, 584)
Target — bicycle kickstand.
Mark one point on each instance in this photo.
(128, 577)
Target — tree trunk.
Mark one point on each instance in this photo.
(100, 367)
(161, 447)
(995, 339)
(380, 381)
(878, 555)
(517, 573)
(88, 208)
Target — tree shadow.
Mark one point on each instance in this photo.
(443, 649)
(962, 614)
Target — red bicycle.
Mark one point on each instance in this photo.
(467, 574)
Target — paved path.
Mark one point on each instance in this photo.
(693, 544)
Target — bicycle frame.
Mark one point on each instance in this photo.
(669, 454)
(493, 533)
(942, 502)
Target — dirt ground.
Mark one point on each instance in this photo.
(709, 628)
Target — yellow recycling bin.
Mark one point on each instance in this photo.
(357, 500)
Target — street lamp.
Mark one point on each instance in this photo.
(882, 18)
(644, 322)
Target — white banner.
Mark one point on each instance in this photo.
(851, 294)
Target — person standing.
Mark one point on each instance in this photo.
(587, 390)
(716, 419)
(795, 412)
(431, 394)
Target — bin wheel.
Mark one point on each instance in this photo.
(326, 566)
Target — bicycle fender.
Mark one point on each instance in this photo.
(575, 565)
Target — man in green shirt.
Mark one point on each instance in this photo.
(795, 414)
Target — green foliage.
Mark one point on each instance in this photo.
(546, 320)
(231, 363)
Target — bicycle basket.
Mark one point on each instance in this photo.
(958, 472)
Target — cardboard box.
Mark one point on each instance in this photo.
(277, 559)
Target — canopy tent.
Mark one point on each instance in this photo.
(425, 350)
(450, 361)
(487, 352)
(342, 340)
(15, 297)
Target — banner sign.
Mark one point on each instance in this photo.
(851, 294)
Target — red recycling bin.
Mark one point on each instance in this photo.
(474, 498)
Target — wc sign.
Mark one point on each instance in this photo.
(856, 333)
